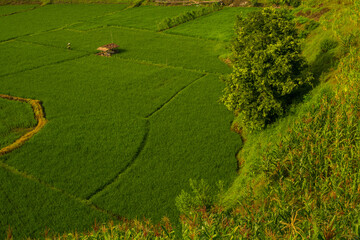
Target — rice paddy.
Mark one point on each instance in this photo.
(12, 9)
(217, 26)
(124, 134)
(16, 118)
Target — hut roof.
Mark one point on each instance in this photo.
(108, 47)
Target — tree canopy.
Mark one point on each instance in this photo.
(268, 67)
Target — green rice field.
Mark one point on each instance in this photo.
(16, 118)
(218, 25)
(124, 134)
(12, 9)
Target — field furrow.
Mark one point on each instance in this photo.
(157, 48)
(70, 94)
(21, 56)
(51, 17)
(14, 9)
(171, 98)
(175, 152)
(30, 208)
(124, 134)
(129, 164)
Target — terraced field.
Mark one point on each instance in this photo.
(124, 134)
(16, 119)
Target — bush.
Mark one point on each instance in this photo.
(328, 44)
(268, 68)
(201, 196)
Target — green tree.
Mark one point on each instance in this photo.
(268, 68)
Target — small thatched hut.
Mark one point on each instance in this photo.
(108, 49)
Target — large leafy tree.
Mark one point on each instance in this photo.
(268, 68)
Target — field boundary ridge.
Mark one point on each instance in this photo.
(39, 116)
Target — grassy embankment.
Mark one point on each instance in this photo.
(16, 119)
(124, 133)
(299, 178)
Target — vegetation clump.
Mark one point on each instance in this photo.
(268, 68)
(293, 3)
(167, 23)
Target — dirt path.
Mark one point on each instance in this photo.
(39, 116)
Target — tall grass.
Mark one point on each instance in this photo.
(304, 181)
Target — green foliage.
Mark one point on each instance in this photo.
(306, 164)
(201, 196)
(308, 28)
(124, 229)
(298, 179)
(293, 3)
(268, 68)
(320, 173)
(328, 44)
(309, 179)
(311, 172)
(167, 23)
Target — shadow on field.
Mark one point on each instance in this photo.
(110, 53)
(120, 50)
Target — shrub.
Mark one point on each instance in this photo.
(328, 44)
(267, 70)
(201, 196)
